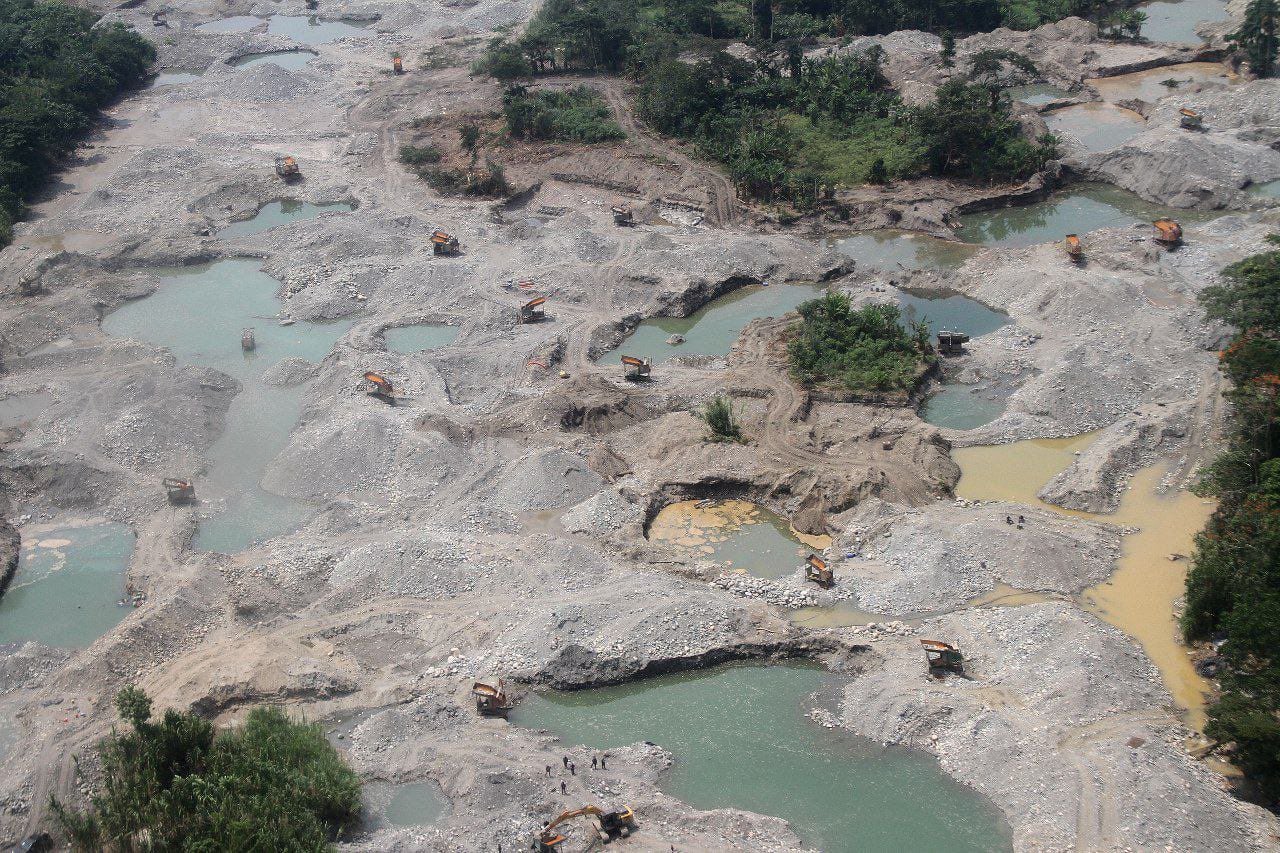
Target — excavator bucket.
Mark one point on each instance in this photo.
(816, 570)
(1168, 232)
(492, 698)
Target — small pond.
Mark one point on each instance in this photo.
(69, 585)
(1157, 83)
(173, 78)
(1097, 126)
(1075, 210)
(407, 804)
(949, 310)
(290, 60)
(198, 313)
(1174, 21)
(841, 793)
(712, 329)
(308, 29)
(743, 535)
(889, 249)
(280, 213)
(1038, 94)
(427, 336)
(962, 406)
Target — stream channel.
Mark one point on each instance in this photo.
(198, 314)
(841, 793)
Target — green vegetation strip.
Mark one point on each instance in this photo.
(56, 71)
(1233, 588)
(172, 784)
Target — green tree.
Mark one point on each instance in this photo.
(948, 52)
(1257, 36)
(865, 349)
(721, 420)
(172, 784)
(469, 138)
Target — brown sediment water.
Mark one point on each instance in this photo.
(742, 534)
(1141, 596)
(1153, 84)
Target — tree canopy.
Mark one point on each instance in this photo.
(1233, 588)
(174, 784)
(865, 349)
(56, 71)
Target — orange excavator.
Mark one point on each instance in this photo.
(816, 570)
(444, 243)
(380, 387)
(1075, 251)
(287, 168)
(1168, 232)
(636, 369)
(397, 64)
(179, 491)
(532, 311)
(942, 657)
(608, 826)
(1189, 119)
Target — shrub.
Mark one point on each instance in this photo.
(413, 155)
(173, 784)
(576, 115)
(864, 350)
(721, 421)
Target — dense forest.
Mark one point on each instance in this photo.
(56, 71)
(787, 128)
(1233, 589)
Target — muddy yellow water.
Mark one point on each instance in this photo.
(1140, 597)
(741, 534)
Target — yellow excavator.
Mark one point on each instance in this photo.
(608, 826)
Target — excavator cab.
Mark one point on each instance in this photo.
(287, 168)
(623, 216)
(179, 491)
(942, 657)
(816, 570)
(492, 698)
(636, 369)
(397, 64)
(380, 387)
(444, 243)
(1075, 251)
(1190, 119)
(532, 311)
(951, 343)
(608, 826)
(1168, 232)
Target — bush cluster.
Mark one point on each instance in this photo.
(56, 71)
(1233, 588)
(575, 115)
(867, 349)
(175, 784)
